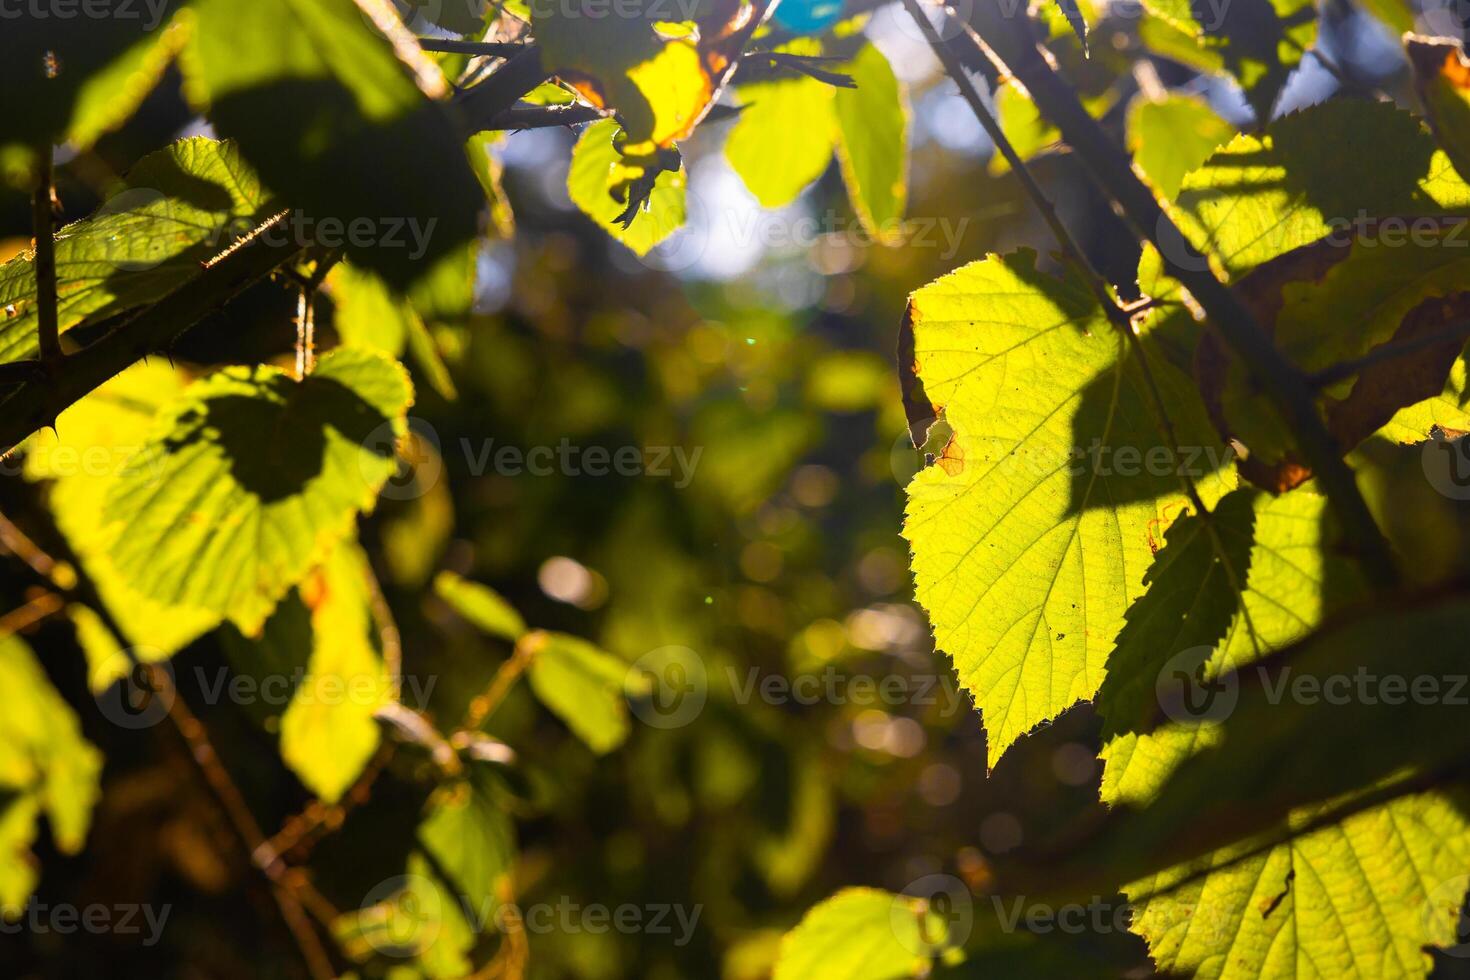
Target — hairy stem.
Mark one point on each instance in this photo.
(486, 49)
(480, 106)
(34, 404)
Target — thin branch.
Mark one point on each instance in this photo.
(305, 333)
(1013, 43)
(406, 47)
(292, 891)
(484, 705)
(34, 405)
(518, 76)
(43, 226)
(1120, 317)
(1344, 78)
(547, 116)
(484, 49)
(575, 114)
(39, 609)
(19, 544)
(300, 833)
(971, 94)
(286, 887)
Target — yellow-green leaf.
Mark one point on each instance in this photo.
(327, 732)
(863, 934)
(592, 177)
(1031, 534)
(1173, 136)
(250, 478)
(583, 686)
(480, 605)
(82, 459)
(46, 768)
(783, 139)
(872, 143)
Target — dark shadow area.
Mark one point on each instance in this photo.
(1120, 454)
(276, 441)
(1193, 597)
(45, 61)
(312, 145)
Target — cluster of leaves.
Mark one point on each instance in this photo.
(229, 512)
(234, 510)
(1276, 837)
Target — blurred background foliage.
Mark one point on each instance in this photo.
(770, 356)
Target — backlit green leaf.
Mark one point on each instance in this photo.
(583, 686)
(1258, 574)
(1173, 136)
(1031, 535)
(783, 139)
(863, 934)
(872, 142)
(46, 768)
(481, 606)
(179, 206)
(590, 183)
(327, 732)
(251, 477)
(82, 459)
